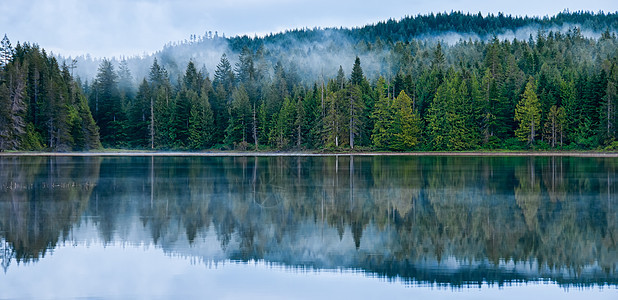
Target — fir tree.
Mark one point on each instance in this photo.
(407, 124)
(240, 119)
(528, 114)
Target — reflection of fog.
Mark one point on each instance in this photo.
(437, 219)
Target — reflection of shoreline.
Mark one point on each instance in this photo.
(385, 215)
(450, 271)
(128, 272)
(317, 154)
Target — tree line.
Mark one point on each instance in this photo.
(41, 105)
(554, 90)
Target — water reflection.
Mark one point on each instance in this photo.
(448, 220)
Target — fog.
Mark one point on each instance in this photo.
(315, 58)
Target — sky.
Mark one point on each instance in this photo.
(107, 28)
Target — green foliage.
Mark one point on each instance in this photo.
(106, 103)
(201, 123)
(284, 130)
(611, 147)
(407, 124)
(528, 114)
(382, 134)
(452, 118)
(41, 106)
(240, 118)
(556, 87)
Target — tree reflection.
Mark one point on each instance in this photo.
(406, 217)
(42, 199)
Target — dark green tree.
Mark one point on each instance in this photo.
(238, 130)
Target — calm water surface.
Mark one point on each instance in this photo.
(308, 227)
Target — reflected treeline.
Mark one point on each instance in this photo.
(41, 200)
(451, 220)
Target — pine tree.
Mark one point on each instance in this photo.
(334, 120)
(571, 105)
(528, 114)
(201, 123)
(240, 119)
(163, 121)
(161, 127)
(223, 84)
(340, 80)
(285, 127)
(16, 104)
(139, 117)
(439, 124)
(439, 60)
(407, 124)
(382, 134)
(357, 73)
(554, 127)
(182, 113)
(107, 107)
(355, 112)
(6, 52)
(6, 140)
(125, 82)
(300, 122)
(464, 134)
(224, 77)
(609, 108)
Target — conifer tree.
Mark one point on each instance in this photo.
(201, 122)
(407, 124)
(355, 111)
(528, 114)
(238, 129)
(285, 126)
(300, 122)
(6, 51)
(139, 117)
(107, 106)
(609, 108)
(334, 120)
(554, 127)
(357, 73)
(382, 134)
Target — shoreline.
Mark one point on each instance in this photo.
(309, 154)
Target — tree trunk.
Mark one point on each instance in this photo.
(255, 140)
(298, 138)
(151, 124)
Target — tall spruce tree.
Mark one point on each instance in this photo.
(528, 114)
(238, 130)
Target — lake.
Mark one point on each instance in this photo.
(308, 227)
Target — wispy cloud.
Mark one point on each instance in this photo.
(114, 27)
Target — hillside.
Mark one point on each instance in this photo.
(436, 82)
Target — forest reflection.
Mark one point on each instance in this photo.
(445, 220)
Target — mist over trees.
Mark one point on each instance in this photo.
(387, 86)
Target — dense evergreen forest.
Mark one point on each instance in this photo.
(392, 88)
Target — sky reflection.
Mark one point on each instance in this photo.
(94, 270)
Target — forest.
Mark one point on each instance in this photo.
(386, 86)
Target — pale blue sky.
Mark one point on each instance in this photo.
(114, 27)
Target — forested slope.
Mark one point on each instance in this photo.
(41, 105)
(395, 85)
